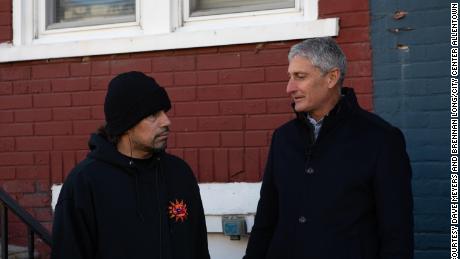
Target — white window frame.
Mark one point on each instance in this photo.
(160, 25)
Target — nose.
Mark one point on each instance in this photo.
(165, 122)
(291, 86)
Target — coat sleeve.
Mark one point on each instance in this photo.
(393, 197)
(73, 226)
(267, 213)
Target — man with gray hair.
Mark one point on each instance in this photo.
(337, 183)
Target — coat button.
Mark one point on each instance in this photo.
(310, 170)
(302, 219)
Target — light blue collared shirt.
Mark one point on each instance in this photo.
(316, 125)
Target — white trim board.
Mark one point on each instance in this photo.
(218, 199)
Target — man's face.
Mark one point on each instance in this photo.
(309, 88)
(151, 133)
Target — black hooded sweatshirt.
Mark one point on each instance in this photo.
(112, 206)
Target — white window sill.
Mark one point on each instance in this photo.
(181, 38)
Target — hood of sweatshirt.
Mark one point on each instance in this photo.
(102, 149)
(105, 151)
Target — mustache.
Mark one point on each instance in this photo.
(164, 130)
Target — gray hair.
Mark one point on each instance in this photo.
(324, 53)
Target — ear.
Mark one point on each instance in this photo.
(333, 77)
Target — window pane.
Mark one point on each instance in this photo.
(210, 7)
(76, 13)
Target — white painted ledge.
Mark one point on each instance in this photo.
(179, 39)
(229, 199)
(218, 199)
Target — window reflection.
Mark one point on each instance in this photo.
(209, 7)
(74, 13)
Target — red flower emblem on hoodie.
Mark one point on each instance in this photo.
(178, 210)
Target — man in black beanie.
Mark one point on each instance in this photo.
(129, 198)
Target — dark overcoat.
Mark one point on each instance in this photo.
(346, 195)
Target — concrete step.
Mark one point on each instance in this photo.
(19, 252)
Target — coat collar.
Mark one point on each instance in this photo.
(346, 106)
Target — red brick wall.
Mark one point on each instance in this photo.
(354, 39)
(6, 31)
(226, 102)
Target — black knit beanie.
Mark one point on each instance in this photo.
(131, 97)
